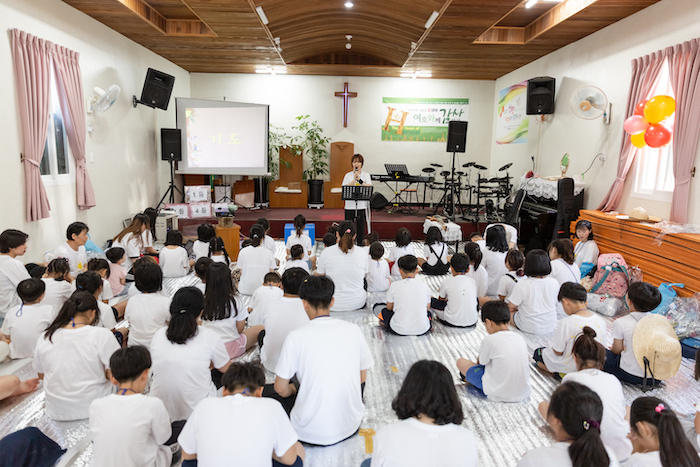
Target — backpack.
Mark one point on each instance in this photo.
(611, 276)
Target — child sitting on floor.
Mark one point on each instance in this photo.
(299, 237)
(378, 275)
(56, 279)
(206, 436)
(91, 282)
(201, 266)
(476, 270)
(173, 258)
(271, 289)
(502, 371)
(435, 251)
(148, 311)
(403, 247)
(268, 242)
(457, 302)
(24, 324)
(558, 358)
(329, 239)
(514, 263)
(205, 234)
(407, 309)
(586, 250)
(130, 428)
(296, 253)
(217, 251)
(101, 267)
(117, 273)
(642, 297)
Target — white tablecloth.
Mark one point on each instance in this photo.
(545, 188)
(451, 232)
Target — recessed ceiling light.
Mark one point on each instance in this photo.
(349, 4)
(530, 3)
(416, 74)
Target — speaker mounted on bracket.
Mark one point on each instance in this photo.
(540, 96)
(156, 90)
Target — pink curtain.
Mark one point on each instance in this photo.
(684, 68)
(645, 71)
(70, 92)
(31, 59)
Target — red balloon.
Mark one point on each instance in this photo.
(657, 136)
(639, 110)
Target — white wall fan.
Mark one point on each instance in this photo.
(103, 100)
(589, 103)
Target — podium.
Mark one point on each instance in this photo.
(357, 193)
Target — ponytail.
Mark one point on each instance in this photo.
(185, 308)
(89, 281)
(80, 302)
(217, 244)
(674, 447)
(58, 267)
(257, 233)
(347, 232)
(473, 251)
(299, 224)
(587, 349)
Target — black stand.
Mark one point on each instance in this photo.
(172, 188)
(448, 198)
(357, 193)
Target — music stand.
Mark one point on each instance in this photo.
(396, 170)
(357, 193)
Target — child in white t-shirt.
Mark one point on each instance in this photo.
(476, 270)
(73, 357)
(148, 311)
(201, 266)
(130, 428)
(586, 250)
(92, 283)
(101, 267)
(502, 371)
(403, 247)
(173, 258)
(514, 263)
(206, 435)
(26, 323)
(457, 303)
(299, 237)
(533, 301)
(378, 275)
(117, 273)
(558, 358)
(217, 251)
(434, 435)
(330, 357)
(58, 288)
(254, 262)
(205, 233)
(268, 242)
(271, 289)
(407, 309)
(296, 254)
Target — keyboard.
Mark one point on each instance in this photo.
(408, 178)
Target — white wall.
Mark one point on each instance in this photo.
(601, 59)
(126, 174)
(291, 96)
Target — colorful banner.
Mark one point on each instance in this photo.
(415, 119)
(512, 123)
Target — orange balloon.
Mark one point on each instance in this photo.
(659, 108)
(638, 140)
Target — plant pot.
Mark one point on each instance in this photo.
(315, 192)
(262, 193)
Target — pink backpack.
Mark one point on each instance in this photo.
(611, 277)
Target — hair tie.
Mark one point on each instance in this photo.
(183, 311)
(347, 231)
(80, 287)
(660, 408)
(255, 235)
(590, 423)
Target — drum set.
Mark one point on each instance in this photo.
(468, 193)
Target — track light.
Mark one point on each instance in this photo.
(530, 3)
(262, 16)
(433, 16)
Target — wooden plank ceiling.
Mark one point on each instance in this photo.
(471, 39)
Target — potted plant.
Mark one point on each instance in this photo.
(276, 138)
(313, 144)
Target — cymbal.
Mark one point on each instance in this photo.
(459, 173)
(483, 180)
(468, 164)
(445, 173)
(428, 170)
(435, 165)
(505, 167)
(497, 179)
(479, 167)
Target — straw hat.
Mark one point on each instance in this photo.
(655, 339)
(640, 214)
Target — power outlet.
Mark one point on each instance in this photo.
(603, 156)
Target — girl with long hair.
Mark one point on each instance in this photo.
(131, 239)
(494, 257)
(254, 261)
(476, 270)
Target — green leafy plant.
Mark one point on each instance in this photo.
(276, 139)
(312, 143)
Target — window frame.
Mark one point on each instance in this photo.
(50, 147)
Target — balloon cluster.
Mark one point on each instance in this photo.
(646, 125)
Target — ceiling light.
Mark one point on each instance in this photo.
(433, 16)
(530, 3)
(416, 74)
(349, 4)
(348, 46)
(272, 71)
(262, 16)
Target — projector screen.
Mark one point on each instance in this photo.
(222, 138)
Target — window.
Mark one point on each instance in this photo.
(57, 163)
(654, 178)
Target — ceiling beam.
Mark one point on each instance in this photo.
(168, 27)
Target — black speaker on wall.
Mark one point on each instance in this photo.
(170, 144)
(540, 96)
(456, 136)
(156, 90)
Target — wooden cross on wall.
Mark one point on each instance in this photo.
(346, 95)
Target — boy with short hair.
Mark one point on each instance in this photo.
(129, 427)
(457, 304)
(502, 371)
(73, 249)
(207, 438)
(25, 323)
(408, 302)
(642, 297)
(558, 357)
(201, 266)
(148, 311)
(330, 357)
(271, 289)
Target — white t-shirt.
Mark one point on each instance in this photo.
(411, 299)
(227, 329)
(348, 180)
(56, 293)
(208, 431)
(556, 455)
(410, 443)
(220, 258)
(261, 296)
(132, 248)
(536, 299)
(107, 319)
(564, 272)
(129, 431)
(254, 263)
(200, 249)
(507, 282)
(511, 233)
(481, 277)
(348, 273)
(146, 313)
(644, 459)
(174, 262)
(566, 332)
(586, 252)
(146, 242)
(304, 241)
(461, 308)
(74, 365)
(495, 264)
(623, 329)
(432, 258)
(378, 276)
(269, 243)
(505, 357)
(394, 255)
(280, 317)
(613, 428)
(12, 272)
(77, 260)
(181, 376)
(107, 293)
(327, 355)
(25, 324)
(297, 263)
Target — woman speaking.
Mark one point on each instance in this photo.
(357, 178)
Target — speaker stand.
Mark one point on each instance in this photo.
(172, 188)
